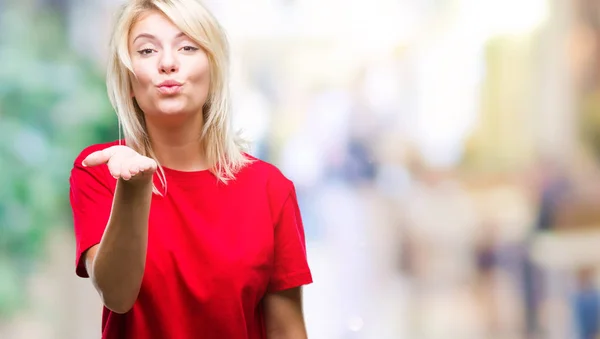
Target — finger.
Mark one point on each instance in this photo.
(95, 159)
(134, 169)
(148, 165)
(98, 157)
(114, 168)
(125, 174)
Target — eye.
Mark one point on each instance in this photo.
(189, 48)
(145, 51)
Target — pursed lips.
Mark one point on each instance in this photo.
(169, 87)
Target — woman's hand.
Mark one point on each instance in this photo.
(123, 162)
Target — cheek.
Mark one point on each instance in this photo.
(200, 71)
(203, 81)
(135, 86)
(141, 80)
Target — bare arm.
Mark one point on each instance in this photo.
(116, 265)
(283, 315)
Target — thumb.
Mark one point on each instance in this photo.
(98, 157)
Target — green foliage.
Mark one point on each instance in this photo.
(52, 104)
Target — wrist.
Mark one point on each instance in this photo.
(136, 186)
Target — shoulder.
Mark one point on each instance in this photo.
(277, 184)
(267, 180)
(267, 171)
(93, 148)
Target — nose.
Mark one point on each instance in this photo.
(168, 63)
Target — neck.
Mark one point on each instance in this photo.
(179, 146)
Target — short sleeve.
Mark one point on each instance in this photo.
(91, 202)
(290, 267)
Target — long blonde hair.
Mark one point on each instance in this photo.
(223, 148)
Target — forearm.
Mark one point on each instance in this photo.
(118, 266)
(287, 333)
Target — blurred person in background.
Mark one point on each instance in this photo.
(183, 234)
(490, 265)
(586, 305)
(552, 190)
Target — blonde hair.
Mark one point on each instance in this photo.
(223, 148)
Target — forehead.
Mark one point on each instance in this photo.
(155, 23)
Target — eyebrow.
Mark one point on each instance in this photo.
(152, 37)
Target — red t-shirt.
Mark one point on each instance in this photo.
(214, 250)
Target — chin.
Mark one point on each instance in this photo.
(172, 107)
(171, 111)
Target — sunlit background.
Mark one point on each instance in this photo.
(445, 154)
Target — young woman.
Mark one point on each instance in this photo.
(182, 233)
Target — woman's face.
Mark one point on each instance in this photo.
(171, 70)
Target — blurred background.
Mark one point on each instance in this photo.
(445, 152)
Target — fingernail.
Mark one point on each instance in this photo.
(83, 164)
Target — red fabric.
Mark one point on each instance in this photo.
(214, 250)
